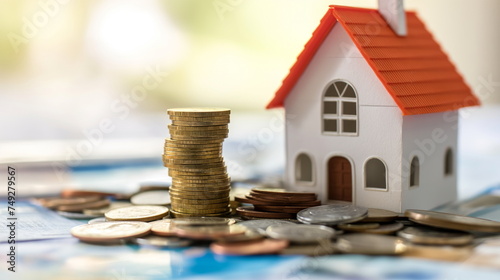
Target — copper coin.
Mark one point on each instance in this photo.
(209, 232)
(248, 211)
(69, 193)
(281, 192)
(79, 207)
(163, 227)
(258, 201)
(259, 247)
(280, 208)
(53, 203)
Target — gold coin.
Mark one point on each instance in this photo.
(202, 133)
(197, 137)
(110, 231)
(202, 181)
(207, 172)
(137, 213)
(170, 156)
(203, 221)
(452, 221)
(202, 188)
(205, 195)
(183, 123)
(203, 166)
(380, 215)
(197, 112)
(175, 144)
(186, 191)
(179, 162)
(201, 212)
(177, 214)
(199, 128)
(197, 142)
(202, 201)
(200, 118)
(82, 206)
(216, 150)
(358, 227)
(200, 177)
(180, 204)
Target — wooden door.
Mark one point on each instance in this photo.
(339, 179)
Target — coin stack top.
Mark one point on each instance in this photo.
(193, 155)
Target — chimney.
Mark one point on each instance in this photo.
(393, 12)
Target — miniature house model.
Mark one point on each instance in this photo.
(371, 112)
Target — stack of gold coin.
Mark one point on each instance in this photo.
(193, 155)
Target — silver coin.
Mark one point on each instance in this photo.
(452, 221)
(202, 221)
(97, 220)
(371, 244)
(157, 197)
(261, 225)
(430, 236)
(161, 241)
(332, 214)
(300, 233)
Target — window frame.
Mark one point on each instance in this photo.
(386, 189)
(296, 170)
(449, 165)
(339, 117)
(414, 174)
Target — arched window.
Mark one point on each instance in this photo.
(448, 162)
(375, 174)
(414, 172)
(303, 168)
(340, 109)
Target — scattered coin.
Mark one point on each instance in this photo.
(158, 197)
(163, 227)
(452, 221)
(97, 220)
(259, 247)
(103, 232)
(137, 213)
(324, 247)
(440, 253)
(53, 203)
(249, 212)
(249, 235)
(209, 232)
(261, 225)
(371, 244)
(380, 215)
(69, 193)
(161, 241)
(76, 215)
(300, 233)
(433, 236)
(332, 214)
(203, 221)
(79, 207)
(359, 227)
(386, 228)
(102, 211)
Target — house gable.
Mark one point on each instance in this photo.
(414, 70)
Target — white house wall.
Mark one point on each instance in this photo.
(379, 123)
(428, 136)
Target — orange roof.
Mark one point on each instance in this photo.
(414, 70)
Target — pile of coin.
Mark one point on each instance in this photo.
(193, 155)
(275, 203)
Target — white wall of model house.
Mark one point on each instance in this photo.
(382, 133)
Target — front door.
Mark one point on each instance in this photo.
(339, 179)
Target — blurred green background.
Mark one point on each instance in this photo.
(66, 65)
